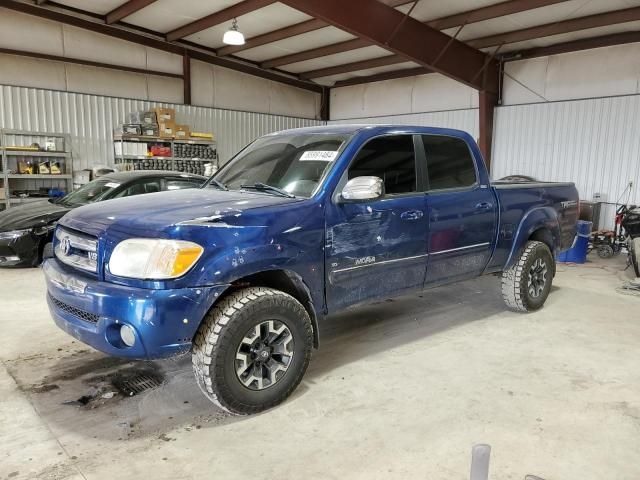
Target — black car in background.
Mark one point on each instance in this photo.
(26, 229)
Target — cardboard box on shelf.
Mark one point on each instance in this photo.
(143, 118)
(183, 132)
(25, 167)
(150, 130)
(165, 115)
(2, 193)
(167, 129)
(130, 129)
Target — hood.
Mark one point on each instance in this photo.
(149, 214)
(31, 215)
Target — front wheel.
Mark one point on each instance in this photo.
(252, 350)
(526, 285)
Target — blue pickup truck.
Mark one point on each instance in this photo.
(297, 226)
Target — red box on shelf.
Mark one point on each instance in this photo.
(160, 151)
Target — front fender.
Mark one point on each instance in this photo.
(533, 220)
(235, 263)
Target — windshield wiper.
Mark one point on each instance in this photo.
(218, 184)
(263, 187)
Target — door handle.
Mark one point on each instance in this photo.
(484, 206)
(412, 215)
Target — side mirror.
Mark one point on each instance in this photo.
(362, 188)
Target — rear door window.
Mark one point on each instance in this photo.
(449, 162)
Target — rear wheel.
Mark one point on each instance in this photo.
(252, 350)
(634, 254)
(526, 285)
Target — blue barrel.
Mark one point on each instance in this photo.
(578, 251)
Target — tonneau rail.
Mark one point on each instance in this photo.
(513, 185)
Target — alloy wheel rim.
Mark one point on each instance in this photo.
(264, 355)
(537, 278)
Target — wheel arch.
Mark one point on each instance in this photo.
(286, 281)
(540, 224)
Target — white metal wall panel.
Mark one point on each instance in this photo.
(90, 120)
(422, 93)
(591, 73)
(594, 143)
(466, 120)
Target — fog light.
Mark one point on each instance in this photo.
(127, 335)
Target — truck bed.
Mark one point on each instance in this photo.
(519, 200)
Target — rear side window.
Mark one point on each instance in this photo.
(181, 183)
(449, 162)
(140, 188)
(392, 159)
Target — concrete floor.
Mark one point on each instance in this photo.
(400, 389)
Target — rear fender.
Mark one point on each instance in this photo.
(545, 218)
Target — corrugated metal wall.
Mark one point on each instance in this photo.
(594, 143)
(466, 119)
(90, 121)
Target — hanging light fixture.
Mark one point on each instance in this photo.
(233, 36)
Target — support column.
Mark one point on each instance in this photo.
(186, 78)
(325, 104)
(488, 101)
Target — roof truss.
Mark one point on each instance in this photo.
(408, 38)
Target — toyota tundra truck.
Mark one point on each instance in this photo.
(299, 225)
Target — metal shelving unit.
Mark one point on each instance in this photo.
(189, 164)
(12, 156)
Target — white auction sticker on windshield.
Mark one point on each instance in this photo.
(111, 185)
(319, 155)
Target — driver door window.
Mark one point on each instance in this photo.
(390, 158)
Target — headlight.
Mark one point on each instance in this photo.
(13, 234)
(146, 258)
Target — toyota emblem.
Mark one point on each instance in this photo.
(66, 245)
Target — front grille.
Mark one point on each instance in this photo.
(76, 312)
(76, 249)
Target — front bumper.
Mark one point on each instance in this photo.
(19, 251)
(164, 321)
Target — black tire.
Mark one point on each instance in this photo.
(634, 253)
(605, 251)
(224, 332)
(535, 264)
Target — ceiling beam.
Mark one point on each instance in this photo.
(489, 12)
(153, 41)
(316, 53)
(477, 15)
(379, 77)
(406, 37)
(88, 63)
(576, 45)
(354, 66)
(126, 9)
(237, 10)
(290, 31)
(557, 28)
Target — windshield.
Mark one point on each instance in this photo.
(293, 163)
(89, 193)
